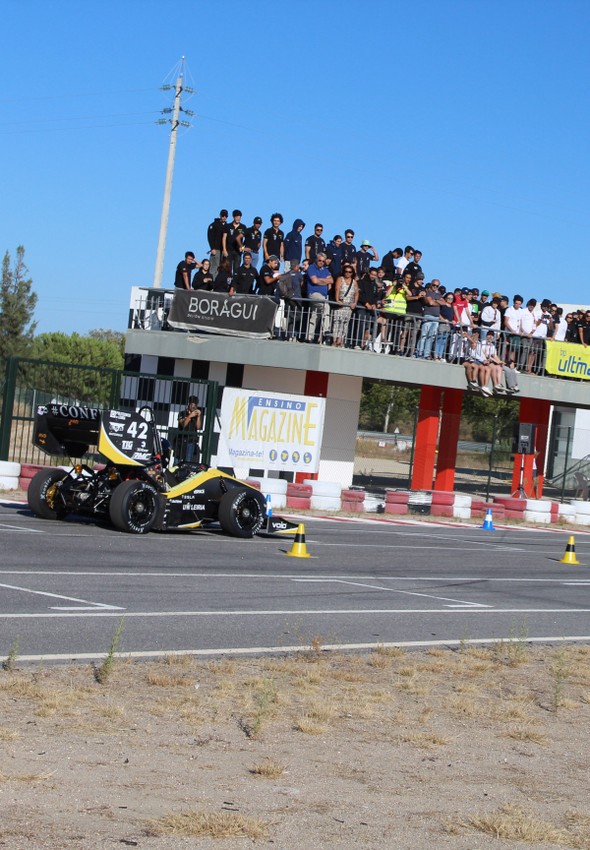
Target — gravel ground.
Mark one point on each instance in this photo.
(475, 749)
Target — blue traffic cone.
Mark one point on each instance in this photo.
(488, 523)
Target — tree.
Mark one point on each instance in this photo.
(17, 306)
(80, 350)
(480, 414)
(385, 405)
(94, 385)
(116, 337)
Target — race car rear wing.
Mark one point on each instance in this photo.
(125, 438)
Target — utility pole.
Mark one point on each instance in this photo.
(176, 123)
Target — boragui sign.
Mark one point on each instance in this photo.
(239, 315)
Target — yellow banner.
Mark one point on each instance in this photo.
(568, 359)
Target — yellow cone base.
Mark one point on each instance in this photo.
(298, 549)
(569, 556)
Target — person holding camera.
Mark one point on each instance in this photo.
(189, 424)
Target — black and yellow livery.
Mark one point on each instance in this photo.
(136, 490)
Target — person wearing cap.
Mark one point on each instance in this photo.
(232, 243)
(475, 305)
(315, 243)
(481, 301)
(215, 233)
(365, 257)
(245, 282)
(293, 246)
(186, 446)
(253, 240)
(274, 239)
(430, 319)
(182, 279)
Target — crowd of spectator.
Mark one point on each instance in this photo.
(337, 294)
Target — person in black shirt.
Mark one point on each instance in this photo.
(203, 278)
(368, 301)
(364, 257)
(348, 249)
(414, 267)
(269, 275)
(182, 279)
(215, 233)
(253, 240)
(315, 245)
(389, 263)
(246, 280)
(189, 424)
(223, 279)
(233, 241)
(274, 239)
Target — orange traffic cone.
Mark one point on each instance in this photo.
(569, 556)
(298, 549)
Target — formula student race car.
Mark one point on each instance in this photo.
(137, 490)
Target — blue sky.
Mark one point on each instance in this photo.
(459, 127)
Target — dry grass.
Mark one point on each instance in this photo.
(423, 740)
(526, 735)
(268, 768)
(472, 717)
(8, 734)
(511, 823)
(207, 825)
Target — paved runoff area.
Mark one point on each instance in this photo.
(64, 587)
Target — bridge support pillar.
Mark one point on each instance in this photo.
(426, 438)
(449, 438)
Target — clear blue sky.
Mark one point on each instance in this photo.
(460, 127)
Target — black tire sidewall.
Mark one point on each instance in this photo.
(228, 509)
(120, 503)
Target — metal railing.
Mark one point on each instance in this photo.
(329, 323)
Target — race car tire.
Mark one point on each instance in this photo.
(133, 507)
(40, 494)
(9, 468)
(241, 512)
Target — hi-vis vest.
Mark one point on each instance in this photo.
(395, 303)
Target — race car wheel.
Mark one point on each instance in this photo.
(43, 496)
(133, 507)
(241, 512)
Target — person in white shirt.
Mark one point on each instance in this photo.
(491, 318)
(403, 261)
(512, 320)
(499, 368)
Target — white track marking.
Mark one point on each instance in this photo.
(18, 528)
(266, 576)
(91, 606)
(459, 602)
(278, 650)
(293, 612)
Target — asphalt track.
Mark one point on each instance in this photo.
(64, 587)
